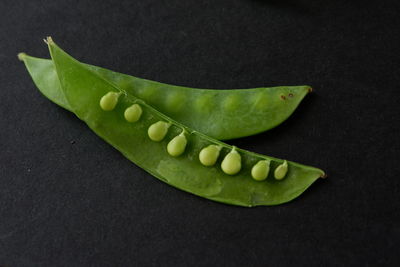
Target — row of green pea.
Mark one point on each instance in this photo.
(208, 156)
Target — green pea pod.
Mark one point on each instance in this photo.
(46, 79)
(83, 89)
(213, 112)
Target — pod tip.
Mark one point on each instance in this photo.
(48, 40)
(21, 56)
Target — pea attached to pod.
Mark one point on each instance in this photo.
(209, 155)
(133, 113)
(184, 173)
(158, 130)
(281, 170)
(109, 101)
(177, 145)
(260, 170)
(232, 162)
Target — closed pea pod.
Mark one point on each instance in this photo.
(174, 102)
(109, 101)
(281, 170)
(209, 155)
(177, 145)
(232, 162)
(231, 103)
(133, 113)
(158, 130)
(260, 170)
(268, 109)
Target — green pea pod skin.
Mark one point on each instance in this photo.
(45, 78)
(213, 112)
(83, 89)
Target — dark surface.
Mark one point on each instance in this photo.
(69, 199)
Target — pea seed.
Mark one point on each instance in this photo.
(209, 155)
(281, 170)
(158, 130)
(177, 145)
(260, 170)
(133, 113)
(232, 163)
(109, 101)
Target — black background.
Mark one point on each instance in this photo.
(69, 199)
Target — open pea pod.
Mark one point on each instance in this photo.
(173, 152)
(213, 112)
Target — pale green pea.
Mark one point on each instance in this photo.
(209, 155)
(177, 145)
(133, 113)
(232, 163)
(109, 101)
(281, 170)
(158, 130)
(260, 170)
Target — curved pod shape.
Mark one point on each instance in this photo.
(256, 109)
(83, 88)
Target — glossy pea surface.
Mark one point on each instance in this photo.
(255, 109)
(184, 172)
